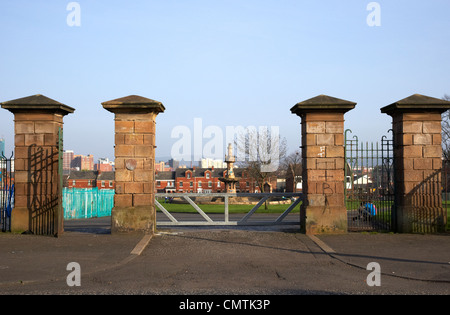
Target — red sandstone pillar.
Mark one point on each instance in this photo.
(37, 120)
(134, 207)
(418, 163)
(323, 209)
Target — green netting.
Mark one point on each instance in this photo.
(87, 203)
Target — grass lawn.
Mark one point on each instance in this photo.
(220, 208)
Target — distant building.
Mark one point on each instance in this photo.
(205, 180)
(209, 163)
(165, 182)
(174, 164)
(105, 180)
(162, 167)
(159, 167)
(182, 180)
(199, 180)
(68, 156)
(83, 162)
(104, 165)
(91, 179)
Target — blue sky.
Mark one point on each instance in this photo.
(230, 63)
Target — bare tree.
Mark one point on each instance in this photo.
(293, 168)
(446, 132)
(260, 152)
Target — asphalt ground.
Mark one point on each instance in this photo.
(223, 261)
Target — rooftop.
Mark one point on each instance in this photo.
(92, 175)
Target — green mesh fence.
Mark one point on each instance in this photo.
(87, 203)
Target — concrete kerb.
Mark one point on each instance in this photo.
(327, 249)
(142, 245)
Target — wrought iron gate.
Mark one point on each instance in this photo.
(369, 187)
(45, 187)
(6, 192)
(60, 210)
(446, 192)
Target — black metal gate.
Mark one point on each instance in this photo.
(45, 201)
(446, 192)
(369, 173)
(6, 192)
(60, 210)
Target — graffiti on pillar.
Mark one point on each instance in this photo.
(322, 152)
(327, 165)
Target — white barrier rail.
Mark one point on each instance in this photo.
(208, 221)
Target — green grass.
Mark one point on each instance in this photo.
(220, 208)
(354, 204)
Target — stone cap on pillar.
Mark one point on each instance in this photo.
(133, 103)
(417, 103)
(323, 103)
(37, 102)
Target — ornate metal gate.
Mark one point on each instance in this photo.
(446, 191)
(60, 209)
(45, 200)
(369, 173)
(6, 192)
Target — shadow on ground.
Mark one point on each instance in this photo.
(90, 226)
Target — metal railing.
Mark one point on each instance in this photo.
(6, 192)
(445, 182)
(210, 220)
(369, 193)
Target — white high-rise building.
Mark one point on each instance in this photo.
(209, 163)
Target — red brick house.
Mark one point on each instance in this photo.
(91, 179)
(199, 180)
(165, 182)
(105, 180)
(204, 180)
(183, 180)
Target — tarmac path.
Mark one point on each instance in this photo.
(250, 261)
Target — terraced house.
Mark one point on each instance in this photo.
(90, 179)
(205, 180)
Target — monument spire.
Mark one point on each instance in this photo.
(230, 179)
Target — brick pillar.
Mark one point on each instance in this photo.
(37, 120)
(418, 163)
(134, 207)
(323, 209)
